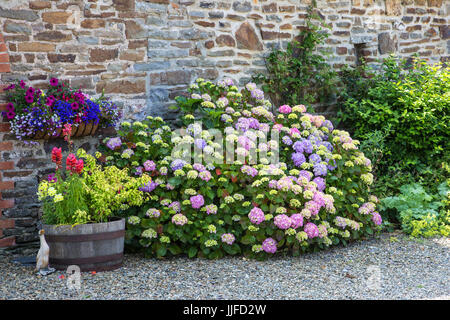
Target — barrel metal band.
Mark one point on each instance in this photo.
(90, 260)
(86, 237)
(91, 268)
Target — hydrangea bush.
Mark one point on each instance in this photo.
(315, 196)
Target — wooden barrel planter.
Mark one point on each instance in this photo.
(92, 247)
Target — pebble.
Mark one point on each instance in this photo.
(371, 269)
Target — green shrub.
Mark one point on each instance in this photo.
(402, 110)
(300, 74)
(422, 214)
(316, 196)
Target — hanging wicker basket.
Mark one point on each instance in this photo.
(82, 130)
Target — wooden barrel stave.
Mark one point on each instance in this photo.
(93, 247)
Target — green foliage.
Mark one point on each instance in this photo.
(300, 74)
(422, 214)
(92, 195)
(62, 199)
(409, 105)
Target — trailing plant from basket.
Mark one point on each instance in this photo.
(85, 191)
(316, 196)
(36, 113)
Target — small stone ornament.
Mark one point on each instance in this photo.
(43, 257)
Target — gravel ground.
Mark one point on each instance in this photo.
(406, 269)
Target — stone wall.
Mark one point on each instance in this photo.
(6, 223)
(146, 52)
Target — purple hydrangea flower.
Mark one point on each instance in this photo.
(257, 94)
(303, 146)
(175, 206)
(248, 170)
(298, 159)
(244, 142)
(315, 158)
(253, 123)
(298, 146)
(331, 164)
(319, 199)
(320, 183)
(153, 213)
(177, 164)
(199, 167)
(320, 169)
(243, 124)
(328, 124)
(313, 207)
(197, 201)
(139, 171)
(286, 140)
(306, 174)
(307, 146)
(205, 175)
(148, 187)
(328, 145)
(114, 143)
(200, 143)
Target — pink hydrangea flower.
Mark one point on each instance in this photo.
(269, 245)
(313, 207)
(297, 220)
(294, 131)
(285, 109)
(311, 230)
(376, 218)
(318, 198)
(256, 215)
(197, 201)
(228, 238)
(282, 221)
(149, 165)
(205, 175)
(277, 127)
